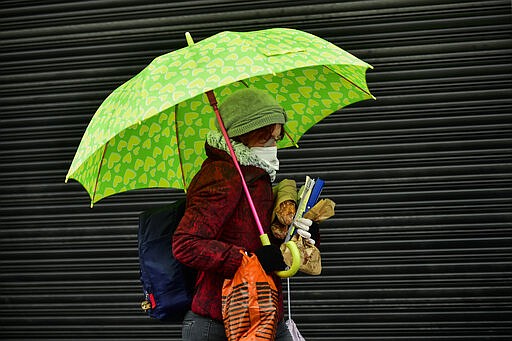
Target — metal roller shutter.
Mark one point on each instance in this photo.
(420, 247)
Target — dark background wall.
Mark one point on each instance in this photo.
(420, 247)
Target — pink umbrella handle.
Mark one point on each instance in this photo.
(213, 103)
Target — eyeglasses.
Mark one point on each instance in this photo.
(277, 138)
(273, 141)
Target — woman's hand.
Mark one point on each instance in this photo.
(303, 225)
(271, 258)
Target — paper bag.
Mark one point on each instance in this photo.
(311, 262)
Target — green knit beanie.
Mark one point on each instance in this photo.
(249, 109)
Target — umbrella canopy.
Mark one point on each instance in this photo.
(150, 131)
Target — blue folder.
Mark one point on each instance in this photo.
(315, 193)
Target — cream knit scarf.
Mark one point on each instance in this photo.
(243, 153)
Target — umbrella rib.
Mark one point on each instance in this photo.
(291, 139)
(178, 145)
(99, 172)
(348, 80)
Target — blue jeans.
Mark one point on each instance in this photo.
(200, 328)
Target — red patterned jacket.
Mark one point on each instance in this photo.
(218, 223)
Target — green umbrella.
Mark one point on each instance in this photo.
(150, 131)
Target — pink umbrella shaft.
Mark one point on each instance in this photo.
(213, 103)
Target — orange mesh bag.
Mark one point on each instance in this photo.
(249, 303)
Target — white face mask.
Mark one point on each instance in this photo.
(268, 155)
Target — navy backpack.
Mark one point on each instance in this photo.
(168, 285)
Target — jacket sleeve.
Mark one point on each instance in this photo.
(210, 204)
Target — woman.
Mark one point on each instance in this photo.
(218, 221)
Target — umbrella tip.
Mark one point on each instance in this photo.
(190, 41)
